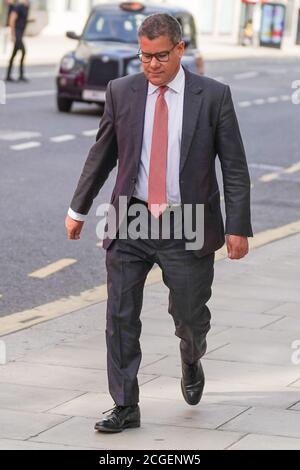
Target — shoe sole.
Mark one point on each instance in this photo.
(134, 424)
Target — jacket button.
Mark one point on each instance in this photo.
(133, 180)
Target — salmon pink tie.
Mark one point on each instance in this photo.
(157, 183)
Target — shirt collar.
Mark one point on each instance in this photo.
(176, 84)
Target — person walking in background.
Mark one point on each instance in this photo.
(248, 34)
(18, 19)
(165, 126)
(10, 7)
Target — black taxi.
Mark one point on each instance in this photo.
(107, 49)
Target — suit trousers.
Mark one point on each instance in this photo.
(189, 280)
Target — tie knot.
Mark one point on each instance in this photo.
(163, 89)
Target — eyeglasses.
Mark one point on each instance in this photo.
(160, 56)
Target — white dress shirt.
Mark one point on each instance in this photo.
(174, 97)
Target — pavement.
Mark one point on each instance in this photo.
(54, 385)
(45, 49)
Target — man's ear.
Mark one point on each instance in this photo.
(181, 47)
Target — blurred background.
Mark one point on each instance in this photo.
(48, 124)
(223, 20)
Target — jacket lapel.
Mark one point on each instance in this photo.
(138, 98)
(191, 109)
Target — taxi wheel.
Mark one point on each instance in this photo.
(64, 105)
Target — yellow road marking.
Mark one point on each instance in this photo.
(52, 268)
(275, 175)
(293, 168)
(27, 318)
(269, 177)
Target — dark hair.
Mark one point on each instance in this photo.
(161, 24)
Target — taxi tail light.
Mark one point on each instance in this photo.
(80, 79)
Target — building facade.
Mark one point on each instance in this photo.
(273, 22)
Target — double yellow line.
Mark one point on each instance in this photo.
(27, 318)
(276, 174)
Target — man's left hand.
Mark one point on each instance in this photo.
(237, 246)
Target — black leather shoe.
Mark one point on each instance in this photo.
(192, 382)
(122, 417)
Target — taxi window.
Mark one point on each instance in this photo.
(188, 28)
(113, 27)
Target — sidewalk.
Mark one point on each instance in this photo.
(48, 50)
(54, 386)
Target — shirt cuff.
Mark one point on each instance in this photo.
(76, 216)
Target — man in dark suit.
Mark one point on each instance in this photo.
(165, 127)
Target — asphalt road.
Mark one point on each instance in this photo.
(38, 174)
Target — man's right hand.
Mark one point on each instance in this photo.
(73, 227)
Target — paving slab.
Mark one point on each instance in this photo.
(264, 442)
(79, 431)
(266, 421)
(23, 425)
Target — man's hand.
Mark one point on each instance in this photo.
(73, 227)
(237, 246)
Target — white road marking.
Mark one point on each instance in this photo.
(285, 97)
(52, 268)
(272, 99)
(13, 135)
(263, 166)
(245, 75)
(62, 138)
(26, 146)
(259, 101)
(90, 133)
(30, 94)
(245, 104)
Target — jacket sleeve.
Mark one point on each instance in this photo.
(102, 158)
(235, 172)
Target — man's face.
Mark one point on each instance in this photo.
(161, 73)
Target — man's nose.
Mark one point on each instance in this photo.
(154, 62)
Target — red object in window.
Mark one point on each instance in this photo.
(80, 79)
(254, 2)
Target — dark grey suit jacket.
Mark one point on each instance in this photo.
(210, 128)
